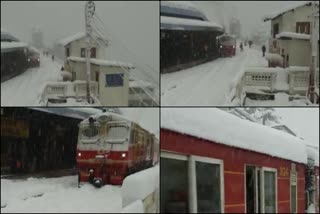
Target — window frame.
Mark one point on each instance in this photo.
(262, 180)
(192, 182)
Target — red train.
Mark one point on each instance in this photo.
(224, 164)
(110, 147)
(33, 57)
(227, 45)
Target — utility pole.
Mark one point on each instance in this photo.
(314, 54)
(89, 12)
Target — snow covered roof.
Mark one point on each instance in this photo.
(78, 113)
(75, 37)
(102, 62)
(222, 127)
(172, 23)
(281, 12)
(291, 35)
(9, 46)
(183, 9)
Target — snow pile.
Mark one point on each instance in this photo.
(222, 127)
(140, 185)
(274, 58)
(187, 22)
(298, 68)
(293, 35)
(313, 154)
(135, 207)
(311, 209)
(102, 62)
(55, 195)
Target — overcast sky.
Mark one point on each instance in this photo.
(135, 24)
(303, 121)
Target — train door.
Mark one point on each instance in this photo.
(252, 189)
(268, 190)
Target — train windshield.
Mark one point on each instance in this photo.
(89, 134)
(117, 133)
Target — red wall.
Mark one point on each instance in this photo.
(234, 165)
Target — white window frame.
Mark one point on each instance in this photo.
(192, 188)
(267, 169)
(193, 181)
(296, 192)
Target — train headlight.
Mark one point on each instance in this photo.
(79, 154)
(234, 46)
(28, 60)
(220, 46)
(123, 155)
(38, 60)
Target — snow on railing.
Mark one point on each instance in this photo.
(64, 90)
(292, 80)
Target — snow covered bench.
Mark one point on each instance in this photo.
(141, 188)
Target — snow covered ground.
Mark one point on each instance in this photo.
(58, 195)
(44, 195)
(25, 89)
(207, 84)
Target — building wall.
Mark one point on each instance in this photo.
(113, 96)
(234, 165)
(301, 14)
(299, 51)
(75, 48)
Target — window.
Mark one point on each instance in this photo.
(68, 52)
(191, 184)
(114, 80)
(93, 53)
(303, 27)
(83, 52)
(275, 30)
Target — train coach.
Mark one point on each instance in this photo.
(213, 162)
(187, 37)
(110, 147)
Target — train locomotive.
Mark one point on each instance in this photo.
(111, 147)
(227, 45)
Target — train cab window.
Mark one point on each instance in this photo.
(89, 132)
(117, 133)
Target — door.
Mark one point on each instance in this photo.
(268, 190)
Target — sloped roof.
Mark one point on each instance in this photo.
(281, 12)
(76, 37)
(224, 128)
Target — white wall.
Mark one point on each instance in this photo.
(75, 48)
(290, 19)
(299, 51)
(113, 96)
